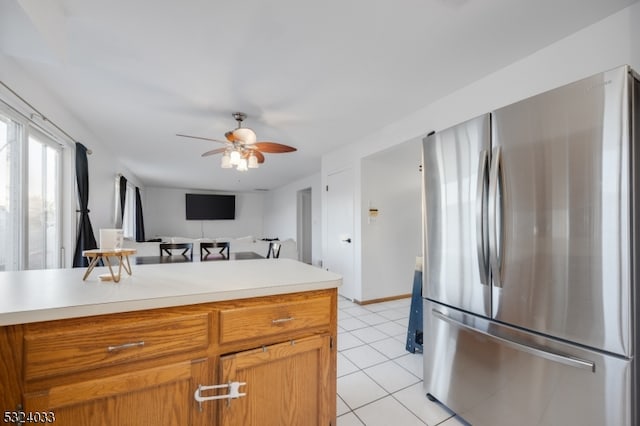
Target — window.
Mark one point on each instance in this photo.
(30, 196)
(129, 217)
(128, 221)
(10, 177)
(43, 227)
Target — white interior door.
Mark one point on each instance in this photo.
(339, 257)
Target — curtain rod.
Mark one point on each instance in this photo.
(41, 115)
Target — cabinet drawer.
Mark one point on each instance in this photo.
(65, 347)
(264, 320)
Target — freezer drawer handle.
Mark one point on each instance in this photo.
(552, 356)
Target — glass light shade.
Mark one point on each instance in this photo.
(253, 161)
(245, 135)
(234, 158)
(226, 161)
(242, 165)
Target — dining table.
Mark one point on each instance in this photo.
(178, 258)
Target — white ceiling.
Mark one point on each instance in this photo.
(314, 75)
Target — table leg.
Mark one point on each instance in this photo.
(92, 264)
(113, 276)
(127, 266)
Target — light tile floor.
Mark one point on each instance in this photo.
(379, 382)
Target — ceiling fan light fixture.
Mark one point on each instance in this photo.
(253, 161)
(242, 150)
(234, 158)
(245, 135)
(242, 165)
(226, 161)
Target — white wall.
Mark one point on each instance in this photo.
(280, 213)
(391, 183)
(607, 44)
(164, 212)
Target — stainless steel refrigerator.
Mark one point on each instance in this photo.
(530, 282)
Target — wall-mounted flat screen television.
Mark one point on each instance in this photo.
(210, 207)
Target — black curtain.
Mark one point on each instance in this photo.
(123, 196)
(86, 239)
(139, 218)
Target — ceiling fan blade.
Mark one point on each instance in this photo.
(200, 137)
(273, 147)
(214, 151)
(259, 155)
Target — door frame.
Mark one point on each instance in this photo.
(304, 225)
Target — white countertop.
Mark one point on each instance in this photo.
(42, 295)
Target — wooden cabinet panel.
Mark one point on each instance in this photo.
(158, 396)
(286, 384)
(249, 322)
(73, 346)
(10, 367)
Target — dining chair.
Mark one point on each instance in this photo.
(222, 246)
(187, 249)
(274, 250)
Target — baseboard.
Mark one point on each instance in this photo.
(383, 299)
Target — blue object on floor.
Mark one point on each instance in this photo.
(414, 333)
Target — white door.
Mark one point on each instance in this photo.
(339, 257)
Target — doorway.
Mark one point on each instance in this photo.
(304, 232)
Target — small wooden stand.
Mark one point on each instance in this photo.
(97, 254)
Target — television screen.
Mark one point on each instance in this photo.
(210, 207)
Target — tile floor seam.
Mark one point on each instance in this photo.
(391, 392)
(404, 401)
(416, 414)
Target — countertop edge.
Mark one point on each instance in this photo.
(52, 314)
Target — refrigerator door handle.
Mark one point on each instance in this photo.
(481, 220)
(495, 217)
(542, 353)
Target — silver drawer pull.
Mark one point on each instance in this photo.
(125, 346)
(281, 320)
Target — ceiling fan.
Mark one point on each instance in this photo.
(242, 150)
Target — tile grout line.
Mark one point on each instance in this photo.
(368, 344)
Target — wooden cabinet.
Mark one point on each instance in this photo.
(286, 384)
(144, 367)
(160, 396)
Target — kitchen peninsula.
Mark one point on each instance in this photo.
(149, 349)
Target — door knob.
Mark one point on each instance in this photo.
(346, 240)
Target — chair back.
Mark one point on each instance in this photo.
(187, 249)
(274, 250)
(219, 245)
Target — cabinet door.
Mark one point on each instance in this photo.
(158, 396)
(290, 383)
